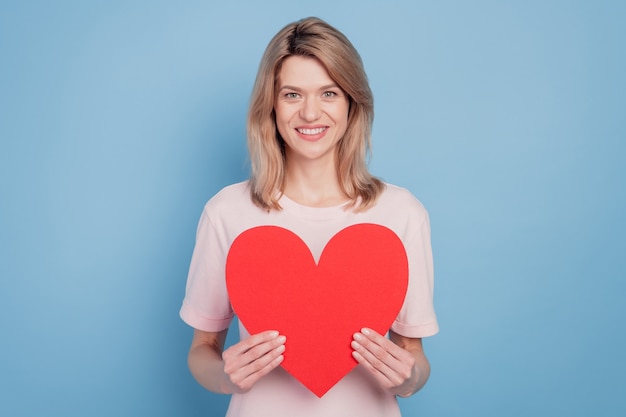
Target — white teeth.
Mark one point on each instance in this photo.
(316, 131)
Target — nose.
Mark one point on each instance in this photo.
(311, 109)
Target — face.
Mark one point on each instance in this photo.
(311, 111)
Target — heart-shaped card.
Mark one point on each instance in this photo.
(274, 284)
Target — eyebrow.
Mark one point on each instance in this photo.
(324, 87)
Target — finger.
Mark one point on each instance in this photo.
(245, 377)
(397, 352)
(240, 365)
(381, 355)
(263, 365)
(250, 342)
(372, 356)
(263, 349)
(383, 381)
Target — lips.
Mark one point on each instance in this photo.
(312, 133)
(315, 131)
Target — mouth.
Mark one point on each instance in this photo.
(312, 132)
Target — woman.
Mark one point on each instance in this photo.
(309, 128)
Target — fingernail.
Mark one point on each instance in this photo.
(365, 331)
(357, 336)
(354, 345)
(282, 339)
(274, 333)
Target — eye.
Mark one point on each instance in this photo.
(291, 95)
(329, 94)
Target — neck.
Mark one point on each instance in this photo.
(314, 184)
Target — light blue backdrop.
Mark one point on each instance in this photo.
(118, 120)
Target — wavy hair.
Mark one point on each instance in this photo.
(312, 37)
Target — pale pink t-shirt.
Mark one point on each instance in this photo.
(206, 305)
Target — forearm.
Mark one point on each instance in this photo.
(206, 363)
(422, 372)
(237, 368)
(207, 367)
(420, 368)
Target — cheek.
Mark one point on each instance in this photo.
(281, 114)
(341, 111)
(281, 121)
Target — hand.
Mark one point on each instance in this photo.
(249, 360)
(392, 366)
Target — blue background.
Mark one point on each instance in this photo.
(118, 120)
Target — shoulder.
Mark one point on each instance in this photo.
(400, 200)
(399, 210)
(232, 200)
(235, 193)
(232, 209)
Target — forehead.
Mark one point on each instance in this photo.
(302, 71)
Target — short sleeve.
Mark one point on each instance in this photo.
(417, 317)
(206, 305)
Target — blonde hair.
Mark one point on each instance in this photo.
(312, 37)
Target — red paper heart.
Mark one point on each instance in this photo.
(274, 283)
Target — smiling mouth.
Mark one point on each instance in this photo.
(315, 131)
